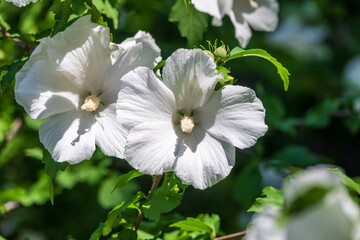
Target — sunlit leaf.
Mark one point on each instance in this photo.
(125, 178)
(13, 69)
(282, 71)
(51, 168)
(191, 23)
(165, 198)
(272, 197)
(347, 181)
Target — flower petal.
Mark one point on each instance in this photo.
(151, 147)
(215, 8)
(70, 136)
(110, 134)
(242, 30)
(265, 226)
(192, 76)
(43, 91)
(144, 98)
(234, 115)
(263, 18)
(203, 160)
(139, 51)
(81, 53)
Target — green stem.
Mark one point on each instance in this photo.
(156, 182)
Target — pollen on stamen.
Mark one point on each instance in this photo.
(91, 103)
(253, 4)
(187, 124)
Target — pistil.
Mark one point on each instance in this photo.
(187, 124)
(91, 103)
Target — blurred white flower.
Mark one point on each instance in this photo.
(301, 40)
(21, 3)
(331, 214)
(351, 80)
(182, 125)
(73, 80)
(261, 15)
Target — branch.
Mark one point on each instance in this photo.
(232, 236)
(17, 41)
(11, 134)
(11, 206)
(156, 182)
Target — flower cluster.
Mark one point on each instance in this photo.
(261, 15)
(73, 80)
(97, 93)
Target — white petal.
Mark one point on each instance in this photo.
(225, 6)
(43, 91)
(242, 30)
(216, 22)
(305, 180)
(81, 53)
(266, 227)
(192, 76)
(140, 37)
(139, 51)
(70, 136)
(263, 18)
(233, 114)
(110, 134)
(203, 160)
(21, 3)
(151, 147)
(333, 218)
(144, 98)
(210, 7)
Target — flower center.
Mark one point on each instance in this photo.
(187, 124)
(91, 103)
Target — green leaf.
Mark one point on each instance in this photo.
(4, 24)
(272, 197)
(159, 65)
(212, 221)
(1, 238)
(97, 233)
(165, 198)
(127, 234)
(282, 71)
(62, 11)
(51, 168)
(13, 69)
(109, 10)
(191, 23)
(347, 181)
(112, 220)
(320, 115)
(192, 225)
(125, 178)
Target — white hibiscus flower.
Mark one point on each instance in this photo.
(332, 215)
(73, 80)
(261, 15)
(21, 3)
(182, 125)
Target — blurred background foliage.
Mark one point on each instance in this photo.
(315, 121)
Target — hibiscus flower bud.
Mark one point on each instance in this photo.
(221, 52)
